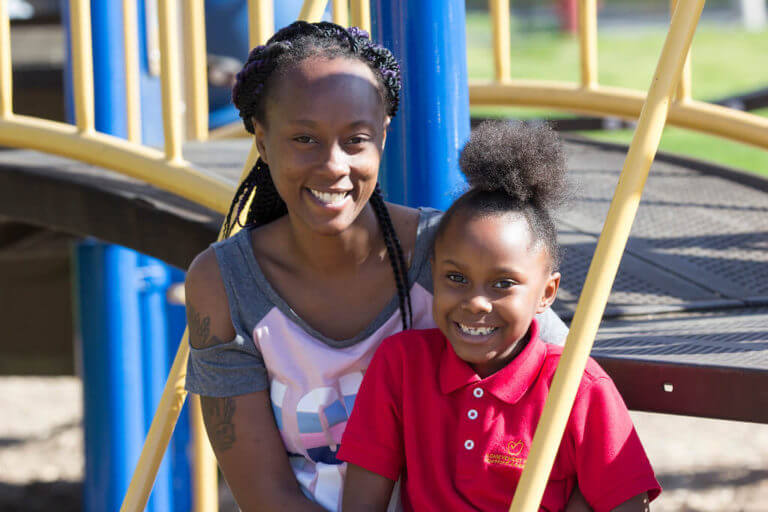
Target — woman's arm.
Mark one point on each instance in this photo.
(365, 490)
(242, 428)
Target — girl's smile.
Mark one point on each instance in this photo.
(490, 280)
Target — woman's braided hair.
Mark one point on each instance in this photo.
(289, 46)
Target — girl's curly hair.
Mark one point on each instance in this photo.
(514, 167)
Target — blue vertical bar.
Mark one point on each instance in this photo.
(108, 68)
(153, 279)
(110, 337)
(428, 37)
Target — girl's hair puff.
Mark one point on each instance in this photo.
(265, 65)
(514, 167)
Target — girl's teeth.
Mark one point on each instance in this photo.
(329, 197)
(476, 331)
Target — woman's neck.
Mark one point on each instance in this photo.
(339, 253)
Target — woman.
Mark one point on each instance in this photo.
(285, 316)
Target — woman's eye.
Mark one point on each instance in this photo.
(504, 284)
(359, 139)
(456, 278)
(304, 139)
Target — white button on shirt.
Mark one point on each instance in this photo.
(469, 444)
(478, 392)
(472, 414)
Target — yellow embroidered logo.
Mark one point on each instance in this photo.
(509, 457)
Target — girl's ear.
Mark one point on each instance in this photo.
(259, 134)
(550, 292)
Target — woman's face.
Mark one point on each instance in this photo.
(323, 138)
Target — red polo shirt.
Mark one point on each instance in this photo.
(460, 441)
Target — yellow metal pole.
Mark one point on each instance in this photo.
(341, 13)
(204, 469)
(588, 42)
(684, 85)
(312, 10)
(6, 75)
(167, 16)
(605, 263)
(261, 21)
(131, 49)
(502, 43)
(360, 14)
(82, 63)
(195, 68)
(168, 410)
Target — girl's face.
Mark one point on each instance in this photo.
(490, 280)
(323, 137)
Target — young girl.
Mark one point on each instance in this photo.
(452, 411)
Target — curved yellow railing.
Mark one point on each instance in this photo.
(668, 100)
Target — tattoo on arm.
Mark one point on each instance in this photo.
(218, 413)
(200, 329)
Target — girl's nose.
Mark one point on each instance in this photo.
(477, 303)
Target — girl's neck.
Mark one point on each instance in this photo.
(340, 253)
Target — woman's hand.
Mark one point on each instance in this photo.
(365, 491)
(241, 429)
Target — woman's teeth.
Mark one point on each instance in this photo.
(329, 197)
(476, 331)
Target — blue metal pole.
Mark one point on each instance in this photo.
(110, 337)
(153, 279)
(420, 166)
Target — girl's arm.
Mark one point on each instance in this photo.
(639, 503)
(241, 429)
(365, 490)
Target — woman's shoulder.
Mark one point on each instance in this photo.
(206, 301)
(416, 223)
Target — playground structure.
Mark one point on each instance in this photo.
(168, 171)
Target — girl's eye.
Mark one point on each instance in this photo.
(456, 278)
(304, 139)
(504, 284)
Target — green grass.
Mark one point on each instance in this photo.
(725, 61)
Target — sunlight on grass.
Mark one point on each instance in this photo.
(725, 61)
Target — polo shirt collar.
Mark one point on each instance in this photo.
(508, 384)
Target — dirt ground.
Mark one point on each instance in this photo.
(703, 465)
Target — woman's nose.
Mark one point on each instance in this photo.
(336, 160)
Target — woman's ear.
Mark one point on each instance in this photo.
(387, 120)
(550, 292)
(259, 135)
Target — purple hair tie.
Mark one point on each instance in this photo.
(358, 32)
